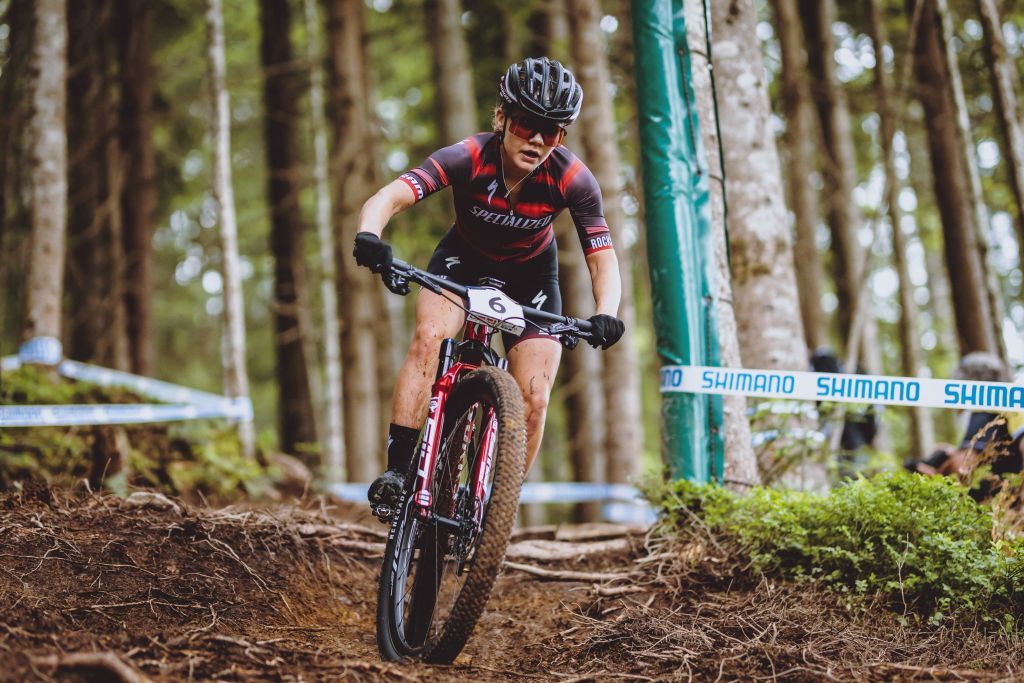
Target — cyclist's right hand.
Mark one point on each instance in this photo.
(372, 252)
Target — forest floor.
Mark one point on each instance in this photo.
(93, 588)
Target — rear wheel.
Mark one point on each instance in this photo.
(438, 573)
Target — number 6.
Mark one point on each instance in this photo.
(495, 305)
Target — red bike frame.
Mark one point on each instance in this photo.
(441, 390)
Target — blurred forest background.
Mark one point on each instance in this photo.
(143, 282)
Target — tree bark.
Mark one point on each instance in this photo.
(1004, 84)
(740, 461)
(48, 169)
(921, 424)
(333, 429)
(763, 278)
(623, 443)
(974, 315)
(837, 153)
(14, 225)
(798, 141)
(85, 270)
(352, 176)
(139, 192)
(980, 209)
(281, 94)
(453, 78)
(548, 30)
(236, 377)
(581, 375)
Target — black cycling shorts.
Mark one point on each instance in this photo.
(532, 283)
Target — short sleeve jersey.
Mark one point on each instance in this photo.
(493, 226)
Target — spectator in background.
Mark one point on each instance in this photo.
(989, 437)
(860, 423)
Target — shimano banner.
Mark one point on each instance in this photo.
(819, 386)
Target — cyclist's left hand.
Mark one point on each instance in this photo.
(372, 252)
(607, 330)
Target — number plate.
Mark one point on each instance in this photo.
(496, 309)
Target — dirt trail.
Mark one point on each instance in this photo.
(96, 589)
(90, 587)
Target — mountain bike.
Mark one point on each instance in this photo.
(450, 531)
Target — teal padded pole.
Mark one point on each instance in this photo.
(680, 250)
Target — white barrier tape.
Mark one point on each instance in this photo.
(154, 388)
(821, 386)
(186, 403)
(114, 414)
(41, 351)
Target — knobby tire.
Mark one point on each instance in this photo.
(486, 386)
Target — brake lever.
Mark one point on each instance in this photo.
(396, 282)
(567, 333)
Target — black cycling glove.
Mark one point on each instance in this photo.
(372, 252)
(607, 330)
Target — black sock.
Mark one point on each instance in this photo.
(401, 444)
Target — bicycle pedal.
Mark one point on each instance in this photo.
(384, 513)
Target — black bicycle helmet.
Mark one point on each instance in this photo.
(544, 88)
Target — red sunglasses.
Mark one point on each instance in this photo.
(550, 132)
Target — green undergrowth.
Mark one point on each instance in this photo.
(189, 459)
(919, 543)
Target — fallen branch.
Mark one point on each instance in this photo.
(560, 550)
(106, 661)
(563, 575)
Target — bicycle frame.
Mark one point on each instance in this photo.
(449, 372)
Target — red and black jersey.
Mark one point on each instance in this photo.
(498, 229)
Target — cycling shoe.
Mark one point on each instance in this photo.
(387, 489)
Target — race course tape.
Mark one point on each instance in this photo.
(113, 414)
(179, 403)
(821, 386)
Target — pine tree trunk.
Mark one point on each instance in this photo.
(352, 174)
(287, 227)
(85, 271)
(139, 192)
(623, 443)
(14, 224)
(837, 154)
(581, 373)
(236, 377)
(453, 78)
(1004, 85)
(921, 424)
(48, 170)
(740, 461)
(333, 434)
(974, 316)
(798, 145)
(763, 277)
(980, 209)
(548, 30)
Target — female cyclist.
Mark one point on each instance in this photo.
(508, 186)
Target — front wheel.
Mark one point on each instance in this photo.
(438, 571)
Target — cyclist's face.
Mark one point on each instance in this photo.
(528, 142)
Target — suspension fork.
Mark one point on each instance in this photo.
(483, 465)
(422, 496)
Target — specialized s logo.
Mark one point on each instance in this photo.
(490, 190)
(539, 300)
(452, 261)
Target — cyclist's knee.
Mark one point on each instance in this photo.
(536, 405)
(427, 338)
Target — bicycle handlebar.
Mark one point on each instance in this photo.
(402, 273)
